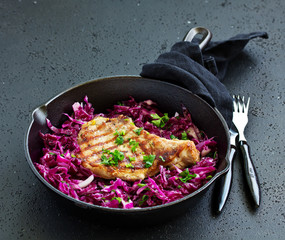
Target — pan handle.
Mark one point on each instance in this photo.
(40, 114)
(206, 36)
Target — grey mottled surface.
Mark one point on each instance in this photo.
(49, 46)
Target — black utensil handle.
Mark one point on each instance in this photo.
(224, 183)
(250, 173)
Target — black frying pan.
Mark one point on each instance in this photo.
(103, 93)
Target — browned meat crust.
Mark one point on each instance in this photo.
(115, 148)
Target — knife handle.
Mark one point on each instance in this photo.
(224, 184)
(250, 173)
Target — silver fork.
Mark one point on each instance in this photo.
(240, 120)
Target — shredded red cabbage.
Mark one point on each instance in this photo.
(60, 167)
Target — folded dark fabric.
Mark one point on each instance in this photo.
(201, 72)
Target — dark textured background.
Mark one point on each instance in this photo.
(49, 46)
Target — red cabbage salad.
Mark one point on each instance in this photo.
(60, 167)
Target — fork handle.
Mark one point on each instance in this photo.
(250, 173)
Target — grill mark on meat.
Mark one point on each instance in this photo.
(89, 147)
(91, 137)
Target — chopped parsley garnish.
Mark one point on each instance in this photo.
(141, 184)
(159, 121)
(118, 155)
(105, 150)
(138, 131)
(209, 177)
(148, 160)
(107, 161)
(184, 136)
(122, 133)
(64, 182)
(129, 165)
(144, 198)
(119, 140)
(134, 145)
(185, 176)
(162, 159)
(117, 198)
(112, 160)
(172, 137)
(132, 159)
(212, 155)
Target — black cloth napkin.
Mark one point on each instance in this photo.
(201, 72)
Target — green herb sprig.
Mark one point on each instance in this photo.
(159, 121)
(184, 136)
(117, 198)
(134, 145)
(186, 176)
(112, 160)
(120, 140)
(138, 130)
(144, 198)
(148, 160)
(129, 165)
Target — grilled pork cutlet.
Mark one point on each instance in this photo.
(115, 148)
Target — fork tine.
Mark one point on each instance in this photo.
(243, 105)
(246, 106)
(235, 104)
(240, 105)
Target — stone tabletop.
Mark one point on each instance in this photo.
(48, 46)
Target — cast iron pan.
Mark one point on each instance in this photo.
(103, 93)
